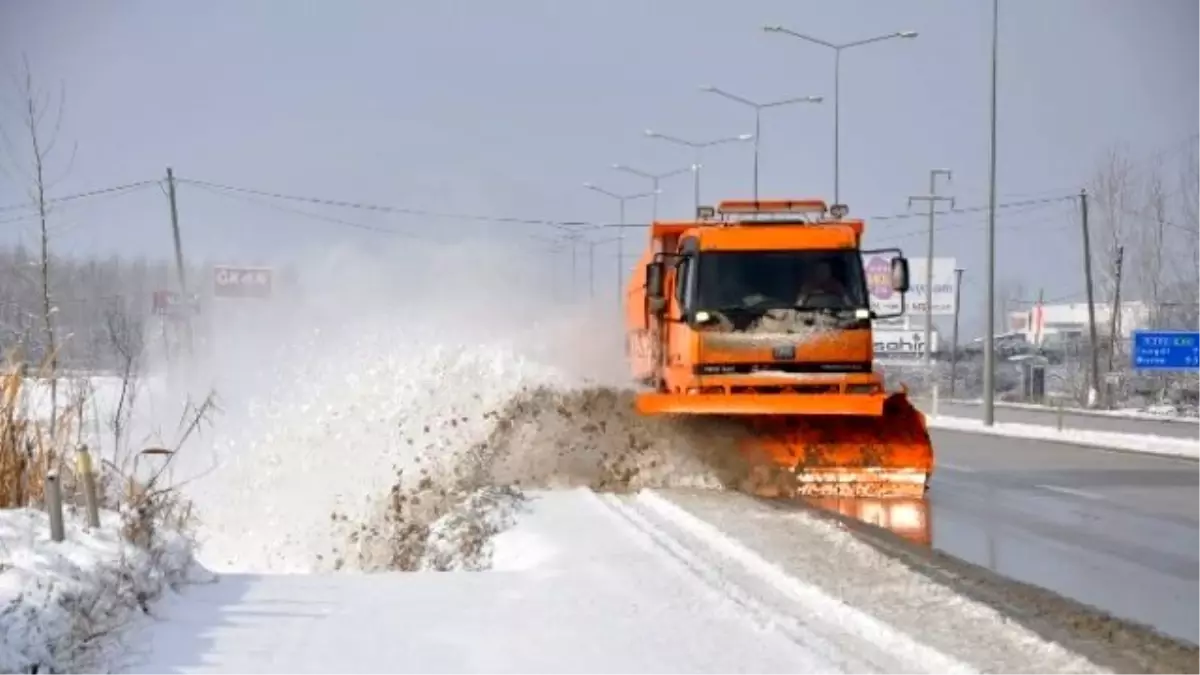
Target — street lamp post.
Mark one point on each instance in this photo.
(655, 179)
(758, 108)
(555, 245)
(838, 48)
(572, 234)
(592, 264)
(698, 147)
(621, 199)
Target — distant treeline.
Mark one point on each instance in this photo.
(87, 295)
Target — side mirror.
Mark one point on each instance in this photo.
(655, 281)
(900, 274)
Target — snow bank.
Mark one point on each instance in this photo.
(64, 605)
(1161, 412)
(1157, 445)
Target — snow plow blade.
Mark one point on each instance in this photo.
(843, 444)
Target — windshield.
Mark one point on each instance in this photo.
(763, 280)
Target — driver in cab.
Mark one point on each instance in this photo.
(821, 284)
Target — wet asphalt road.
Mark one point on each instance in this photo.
(1118, 531)
(1093, 422)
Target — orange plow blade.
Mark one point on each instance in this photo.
(853, 445)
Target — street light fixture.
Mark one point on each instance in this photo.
(838, 48)
(621, 199)
(758, 108)
(655, 179)
(698, 147)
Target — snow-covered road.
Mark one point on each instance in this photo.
(583, 582)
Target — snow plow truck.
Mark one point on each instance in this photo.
(758, 311)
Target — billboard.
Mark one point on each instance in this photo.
(877, 267)
(241, 282)
(902, 343)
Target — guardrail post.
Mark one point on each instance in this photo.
(935, 399)
(83, 467)
(1058, 413)
(53, 489)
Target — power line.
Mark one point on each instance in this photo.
(364, 206)
(971, 209)
(305, 214)
(976, 224)
(81, 195)
(978, 209)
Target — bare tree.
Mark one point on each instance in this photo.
(1115, 201)
(1189, 191)
(126, 335)
(1008, 296)
(1150, 255)
(36, 107)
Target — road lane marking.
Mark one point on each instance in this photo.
(1071, 491)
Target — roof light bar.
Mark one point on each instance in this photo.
(743, 206)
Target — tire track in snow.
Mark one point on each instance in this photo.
(831, 636)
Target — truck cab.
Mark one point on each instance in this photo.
(756, 297)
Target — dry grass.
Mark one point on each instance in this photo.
(29, 448)
(146, 498)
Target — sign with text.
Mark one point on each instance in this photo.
(886, 301)
(242, 282)
(902, 343)
(171, 303)
(1166, 350)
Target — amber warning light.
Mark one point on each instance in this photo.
(772, 206)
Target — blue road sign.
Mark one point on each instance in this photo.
(1166, 350)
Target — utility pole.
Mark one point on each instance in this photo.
(958, 272)
(180, 271)
(1114, 319)
(932, 198)
(989, 344)
(1091, 300)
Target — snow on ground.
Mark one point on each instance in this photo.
(1163, 412)
(582, 583)
(64, 605)
(1158, 445)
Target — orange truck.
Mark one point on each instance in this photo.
(758, 311)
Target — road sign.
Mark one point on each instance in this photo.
(242, 282)
(1166, 350)
(886, 301)
(172, 303)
